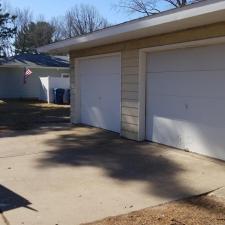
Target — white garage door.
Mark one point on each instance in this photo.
(100, 82)
(186, 99)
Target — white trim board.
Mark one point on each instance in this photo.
(34, 67)
(99, 56)
(189, 44)
(195, 15)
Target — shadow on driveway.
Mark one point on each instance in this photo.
(121, 159)
(127, 160)
(10, 200)
(17, 116)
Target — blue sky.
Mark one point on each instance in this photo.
(50, 8)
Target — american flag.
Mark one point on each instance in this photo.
(27, 73)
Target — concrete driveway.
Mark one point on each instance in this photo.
(60, 174)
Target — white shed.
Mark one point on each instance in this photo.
(12, 72)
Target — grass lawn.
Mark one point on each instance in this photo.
(22, 114)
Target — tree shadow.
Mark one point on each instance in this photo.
(211, 204)
(38, 59)
(121, 159)
(22, 117)
(10, 200)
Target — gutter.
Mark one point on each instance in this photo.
(34, 67)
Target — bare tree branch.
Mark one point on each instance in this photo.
(82, 19)
(23, 17)
(141, 6)
(58, 24)
(151, 7)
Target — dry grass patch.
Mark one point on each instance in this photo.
(22, 115)
(204, 210)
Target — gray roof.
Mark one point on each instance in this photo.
(35, 60)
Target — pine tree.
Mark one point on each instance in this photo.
(7, 30)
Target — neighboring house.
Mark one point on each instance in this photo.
(12, 71)
(160, 78)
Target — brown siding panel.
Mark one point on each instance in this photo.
(130, 79)
(129, 134)
(129, 101)
(72, 91)
(130, 119)
(130, 87)
(130, 127)
(130, 111)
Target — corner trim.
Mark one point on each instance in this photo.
(189, 44)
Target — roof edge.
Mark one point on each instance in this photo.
(115, 33)
(34, 67)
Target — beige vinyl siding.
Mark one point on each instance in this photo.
(73, 115)
(130, 79)
(128, 134)
(130, 119)
(129, 101)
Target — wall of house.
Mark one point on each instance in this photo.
(12, 83)
(130, 70)
(129, 102)
(74, 115)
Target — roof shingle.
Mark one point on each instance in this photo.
(40, 60)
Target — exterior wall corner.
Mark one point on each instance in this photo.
(74, 95)
(131, 104)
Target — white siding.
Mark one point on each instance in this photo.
(49, 83)
(12, 83)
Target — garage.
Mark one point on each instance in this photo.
(186, 99)
(179, 101)
(100, 91)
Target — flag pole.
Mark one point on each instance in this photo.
(24, 75)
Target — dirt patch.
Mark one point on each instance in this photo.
(204, 210)
(22, 115)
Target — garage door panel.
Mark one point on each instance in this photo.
(101, 65)
(200, 83)
(100, 82)
(202, 111)
(186, 108)
(195, 137)
(92, 116)
(203, 58)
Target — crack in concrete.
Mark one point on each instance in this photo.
(21, 155)
(5, 220)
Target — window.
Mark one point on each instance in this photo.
(65, 75)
